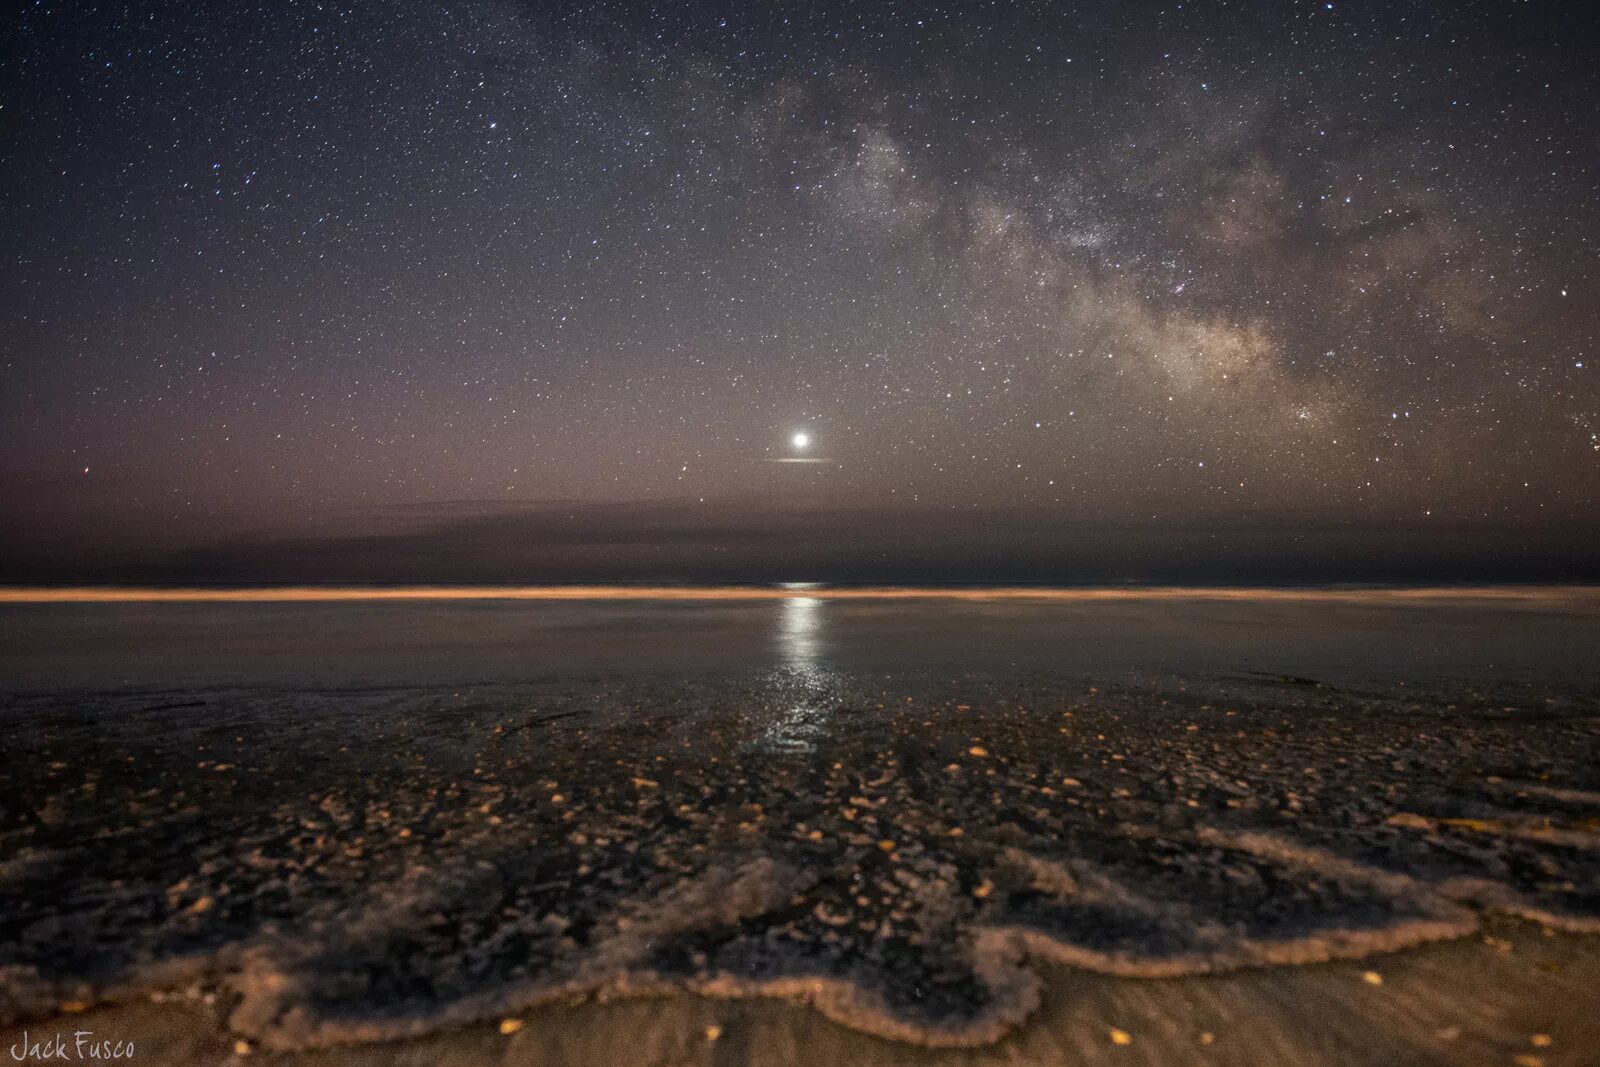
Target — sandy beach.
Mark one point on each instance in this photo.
(1147, 832)
(1512, 995)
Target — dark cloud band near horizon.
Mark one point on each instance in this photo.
(741, 541)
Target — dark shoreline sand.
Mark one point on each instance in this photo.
(1510, 995)
(992, 831)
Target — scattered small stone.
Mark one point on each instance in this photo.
(241, 1047)
(891, 806)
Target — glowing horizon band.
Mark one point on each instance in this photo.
(312, 594)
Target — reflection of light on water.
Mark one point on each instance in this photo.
(801, 682)
(799, 631)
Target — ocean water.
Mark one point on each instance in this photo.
(361, 820)
(1354, 636)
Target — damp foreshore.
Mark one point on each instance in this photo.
(343, 829)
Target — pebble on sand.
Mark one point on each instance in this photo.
(1121, 1037)
(1372, 977)
(510, 1026)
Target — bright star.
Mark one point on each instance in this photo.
(800, 440)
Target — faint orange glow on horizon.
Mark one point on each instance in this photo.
(311, 594)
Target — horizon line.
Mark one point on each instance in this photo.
(780, 591)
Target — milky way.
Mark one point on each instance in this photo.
(1052, 291)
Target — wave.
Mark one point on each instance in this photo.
(401, 862)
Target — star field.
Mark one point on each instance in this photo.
(278, 269)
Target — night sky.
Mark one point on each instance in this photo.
(534, 292)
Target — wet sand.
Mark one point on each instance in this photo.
(1352, 832)
(1510, 996)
